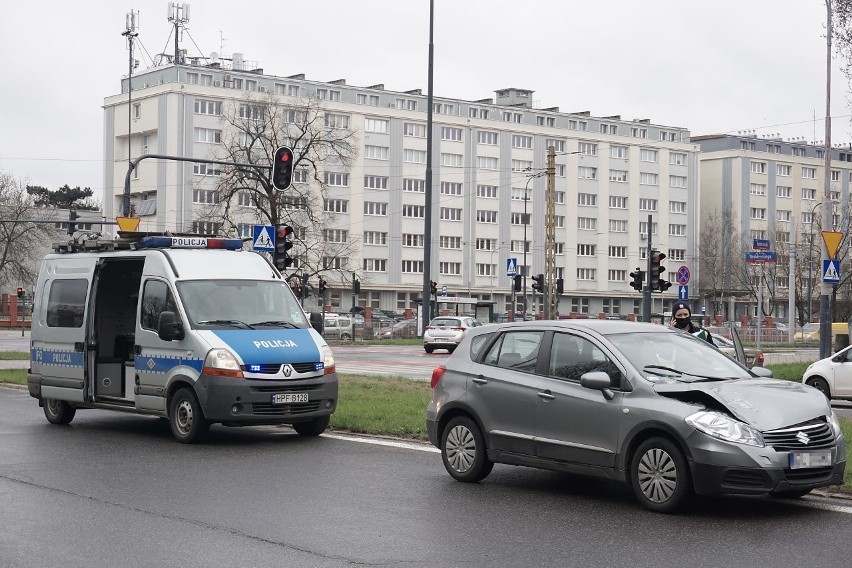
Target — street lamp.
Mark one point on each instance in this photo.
(526, 222)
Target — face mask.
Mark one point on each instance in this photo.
(682, 323)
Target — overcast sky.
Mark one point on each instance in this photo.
(712, 67)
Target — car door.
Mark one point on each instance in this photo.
(502, 391)
(843, 373)
(574, 423)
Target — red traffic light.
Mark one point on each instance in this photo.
(20, 292)
(283, 231)
(282, 168)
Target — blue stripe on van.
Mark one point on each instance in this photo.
(257, 346)
(56, 358)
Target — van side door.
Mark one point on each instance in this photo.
(59, 353)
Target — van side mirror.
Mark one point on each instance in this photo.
(317, 321)
(169, 327)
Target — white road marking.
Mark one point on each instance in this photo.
(383, 442)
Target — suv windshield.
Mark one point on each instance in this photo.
(240, 304)
(676, 356)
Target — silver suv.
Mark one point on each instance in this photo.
(636, 402)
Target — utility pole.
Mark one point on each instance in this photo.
(825, 292)
(427, 212)
(131, 23)
(646, 293)
(550, 308)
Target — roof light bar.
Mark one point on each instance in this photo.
(191, 242)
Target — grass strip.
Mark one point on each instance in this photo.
(389, 406)
(14, 376)
(14, 356)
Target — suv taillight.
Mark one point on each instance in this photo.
(759, 361)
(437, 373)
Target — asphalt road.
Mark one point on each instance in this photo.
(114, 490)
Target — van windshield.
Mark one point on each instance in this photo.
(234, 304)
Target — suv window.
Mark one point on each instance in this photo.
(477, 343)
(572, 356)
(516, 350)
(449, 322)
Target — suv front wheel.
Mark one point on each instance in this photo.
(463, 450)
(660, 476)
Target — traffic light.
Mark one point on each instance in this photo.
(518, 280)
(638, 279)
(282, 168)
(299, 291)
(323, 286)
(305, 287)
(559, 286)
(356, 286)
(433, 287)
(20, 292)
(72, 216)
(281, 256)
(538, 283)
(665, 285)
(656, 269)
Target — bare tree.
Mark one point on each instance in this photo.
(20, 239)
(323, 145)
(719, 261)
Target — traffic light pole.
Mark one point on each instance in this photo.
(646, 294)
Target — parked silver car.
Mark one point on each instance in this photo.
(637, 402)
(446, 332)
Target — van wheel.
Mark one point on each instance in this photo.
(313, 427)
(660, 476)
(463, 451)
(428, 349)
(345, 337)
(821, 385)
(186, 419)
(58, 411)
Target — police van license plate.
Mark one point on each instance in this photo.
(801, 460)
(289, 398)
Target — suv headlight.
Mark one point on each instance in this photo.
(724, 427)
(835, 424)
(222, 363)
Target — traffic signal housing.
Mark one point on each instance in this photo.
(72, 216)
(518, 280)
(538, 283)
(560, 286)
(433, 287)
(20, 292)
(323, 286)
(282, 168)
(657, 270)
(283, 244)
(638, 278)
(356, 286)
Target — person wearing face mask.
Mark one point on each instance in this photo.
(681, 320)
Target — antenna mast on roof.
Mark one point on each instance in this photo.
(179, 16)
(130, 26)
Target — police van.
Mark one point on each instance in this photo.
(188, 328)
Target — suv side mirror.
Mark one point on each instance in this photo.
(169, 327)
(598, 380)
(317, 321)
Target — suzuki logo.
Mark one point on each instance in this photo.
(803, 438)
(287, 370)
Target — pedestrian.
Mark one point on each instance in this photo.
(681, 319)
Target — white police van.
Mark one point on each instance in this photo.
(188, 328)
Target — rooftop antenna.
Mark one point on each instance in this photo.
(221, 42)
(131, 24)
(179, 16)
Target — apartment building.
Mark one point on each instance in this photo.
(611, 174)
(771, 189)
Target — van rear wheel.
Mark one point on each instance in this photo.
(186, 418)
(58, 411)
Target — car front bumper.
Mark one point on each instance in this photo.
(249, 401)
(720, 467)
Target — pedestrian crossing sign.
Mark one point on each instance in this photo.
(831, 271)
(511, 266)
(262, 238)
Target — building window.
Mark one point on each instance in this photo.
(647, 155)
(484, 216)
(636, 132)
(206, 228)
(557, 145)
(615, 276)
(452, 160)
(643, 228)
(647, 204)
(783, 170)
(519, 141)
(449, 268)
(375, 182)
(757, 189)
(412, 267)
(617, 202)
(617, 226)
(585, 250)
(335, 205)
(587, 199)
(486, 163)
(333, 179)
(586, 274)
(783, 191)
(451, 188)
(206, 170)
(203, 106)
(677, 159)
(618, 176)
(375, 238)
(414, 185)
(808, 193)
(618, 152)
(451, 214)
(247, 198)
(587, 223)
(486, 137)
(376, 125)
(376, 152)
(208, 135)
(448, 242)
(617, 252)
(336, 120)
(521, 165)
(414, 129)
(808, 173)
(414, 156)
(758, 167)
(207, 196)
(451, 134)
(335, 235)
(588, 149)
(677, 206)
(677, 230)
(677, 182)
(375, 265)
(486, 269)
(412, 240)
(783, 215)
(486, 191)
(646, 178)
(585, 172)
(414, 211)
(376, 208)
(486, 244)
(518, 218)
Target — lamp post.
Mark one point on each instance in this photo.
(824, 311)
(526, 222)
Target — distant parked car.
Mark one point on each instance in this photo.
(752, 356)
(401, 329)
(832, 376)
(446, 332)
(807, 331)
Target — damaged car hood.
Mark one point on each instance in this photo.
(766, 404)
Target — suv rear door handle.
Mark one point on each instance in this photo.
(480, 380)
(546, 395)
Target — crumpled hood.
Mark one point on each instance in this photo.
(766, 404)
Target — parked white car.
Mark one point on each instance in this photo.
(832, 375)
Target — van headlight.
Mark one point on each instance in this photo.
(222, 363)
(835, 424)
(723, 427)
(328, 360)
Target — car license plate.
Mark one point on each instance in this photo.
(801, 460)
(289, 398)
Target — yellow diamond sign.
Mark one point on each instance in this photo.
(832, 242)
(130, 224)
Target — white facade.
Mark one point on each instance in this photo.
(610, 175)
